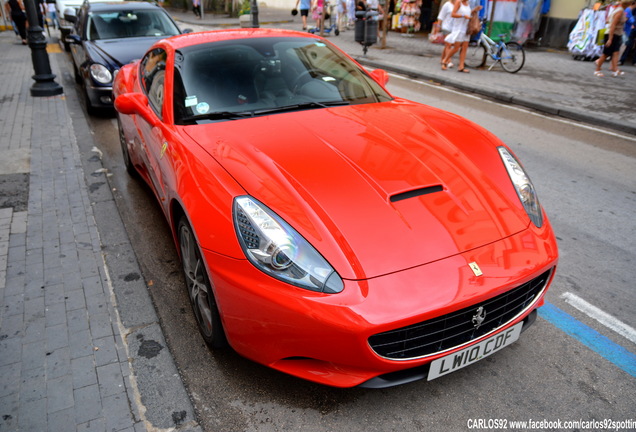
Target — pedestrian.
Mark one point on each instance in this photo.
(317, 12)
(613, 40)
(196, 8)
(458, 37)
(15, 8)
(305, 5)
(52, 14)
(444, 21)
(629, 35)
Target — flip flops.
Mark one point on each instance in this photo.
(598, 74)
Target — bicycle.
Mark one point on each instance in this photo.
(510, 54)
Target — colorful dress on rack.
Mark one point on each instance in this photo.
(410, 15)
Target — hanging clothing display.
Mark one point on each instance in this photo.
(410, 16)
(526, 20)
(501, 14)
(586, 39)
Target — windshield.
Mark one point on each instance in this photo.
(125, 24)
(246, 77)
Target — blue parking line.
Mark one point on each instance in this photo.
(590, 338)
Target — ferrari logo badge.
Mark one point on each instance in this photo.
(163, 149)
(475, 268)
(479, 317)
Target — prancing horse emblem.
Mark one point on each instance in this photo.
(479, 317)
(475, 268)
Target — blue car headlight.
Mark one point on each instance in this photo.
(524, 187)
(277, 249)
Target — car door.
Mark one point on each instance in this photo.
(78, 51)
(153, 139)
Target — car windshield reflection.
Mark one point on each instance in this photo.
(126, 24)
(243, 78)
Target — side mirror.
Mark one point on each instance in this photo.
(136, 103)
(74, 39)
(188, 30)
(380, 76)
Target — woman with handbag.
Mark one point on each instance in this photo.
(458, 36)
(613, 40)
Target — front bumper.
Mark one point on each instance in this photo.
(325, 338)
(100, 97)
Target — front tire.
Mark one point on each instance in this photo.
(200, 288)
(512, 57)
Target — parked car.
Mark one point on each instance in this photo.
(326, 228)
(108, 35)
(68, 7)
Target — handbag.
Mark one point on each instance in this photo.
(600, 36)
(474, 25)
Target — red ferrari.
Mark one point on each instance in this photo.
(326, 228)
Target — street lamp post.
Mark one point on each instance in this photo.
(45, 84)
(254, 11)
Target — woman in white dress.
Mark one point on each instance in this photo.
(458, 37)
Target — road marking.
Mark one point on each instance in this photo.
(589, 337)
(516, 108)
(601, 316)
(53, 48)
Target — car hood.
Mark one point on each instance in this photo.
(376, 188)
(118, 52)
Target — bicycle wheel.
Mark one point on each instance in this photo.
(512, 57)
(475, 56)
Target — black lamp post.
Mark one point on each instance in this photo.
(254, 11)
(45, 84)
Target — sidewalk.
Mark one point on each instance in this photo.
(551, 81)
(71, 358)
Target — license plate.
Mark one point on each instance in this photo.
(473, 354)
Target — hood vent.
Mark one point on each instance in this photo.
(416, 192)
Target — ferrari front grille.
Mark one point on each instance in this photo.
(461, 327)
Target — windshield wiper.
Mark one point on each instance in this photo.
(301, 106)
(218, 115)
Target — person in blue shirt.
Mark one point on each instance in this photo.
(305, 5)
(629, 35)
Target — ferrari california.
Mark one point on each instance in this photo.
(326, 228)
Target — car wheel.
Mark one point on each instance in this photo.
(199, 288)
(130, 168)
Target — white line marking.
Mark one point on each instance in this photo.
(517, 108)
(603, 317)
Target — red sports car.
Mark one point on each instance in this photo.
(328, 229)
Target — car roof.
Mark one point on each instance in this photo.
(198, 38)
(121, 5)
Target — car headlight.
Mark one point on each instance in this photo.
(100, 73)
(523, 186)
(277, 249)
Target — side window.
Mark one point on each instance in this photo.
(153, 69)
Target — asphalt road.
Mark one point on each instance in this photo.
(585, 179)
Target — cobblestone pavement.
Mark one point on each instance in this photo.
(66, 354)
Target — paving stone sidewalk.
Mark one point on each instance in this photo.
(68, 361)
